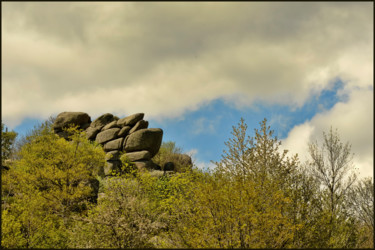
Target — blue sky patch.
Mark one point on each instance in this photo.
(207, 128)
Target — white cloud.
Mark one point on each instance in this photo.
(203, 165)
(192, 152)
(354, 121)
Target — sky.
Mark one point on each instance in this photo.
(196, 68)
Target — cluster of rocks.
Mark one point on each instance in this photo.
(130, 134)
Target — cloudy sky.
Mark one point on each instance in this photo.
(195, 69)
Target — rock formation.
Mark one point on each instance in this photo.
(129, 134)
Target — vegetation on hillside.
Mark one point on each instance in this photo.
(256, 197)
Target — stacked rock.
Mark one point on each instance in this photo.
(65, 119)
(130, 135)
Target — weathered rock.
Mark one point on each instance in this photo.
(111, 166)
(91, 132)
(124, 131)
(66, 119)
(168, 166)
(113, 145)
(139, 125)
(112, 124)
(144, 165)
(144, 139)
(130, 120)
(102, 120)
(139, 155)
(85, 126)
(107, 135)
(125, 140)
(112, 155)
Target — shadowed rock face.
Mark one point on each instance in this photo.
(130, 120)
(102, 120)
(139, 125)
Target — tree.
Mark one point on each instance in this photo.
(124, 218)
(7, 143)
(331, 165)
(256, 157)
(361, 201)
(52, 180)
(238, 202)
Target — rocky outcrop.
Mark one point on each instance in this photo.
(107, 135)
(145, 139)
(99, 123)
(139, 156)
(103, 120)
(129, 134)
(130, 120)
(66, 119)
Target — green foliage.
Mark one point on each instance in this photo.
(46, 186)
(256, 158)
(36, 131)
(256, 197)
(233, 206)
(7, 143)
(361, 206)
(127, 167)
(332, 168)
(123, 218)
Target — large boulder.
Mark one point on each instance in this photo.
(113, 145)
(124, 131)
(91, 132)
(130, 120)
(139, 125)
(107, 135)
(112, 124)
(103, 120)
(139, 155)
(144, 139)
(66, 119)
